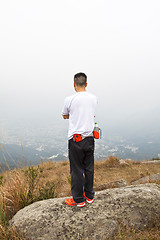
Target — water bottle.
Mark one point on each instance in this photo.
(96, 131)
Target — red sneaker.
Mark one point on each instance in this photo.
(88, 200)
(71, 202)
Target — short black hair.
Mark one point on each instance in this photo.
(80, 79)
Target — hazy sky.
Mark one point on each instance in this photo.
(44, 43)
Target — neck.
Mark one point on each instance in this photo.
(80, 89)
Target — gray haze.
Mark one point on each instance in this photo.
(44, 43)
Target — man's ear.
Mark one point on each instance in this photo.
(75, 87)
(86, 84)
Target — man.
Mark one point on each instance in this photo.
(80, 110)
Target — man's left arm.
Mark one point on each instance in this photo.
(65, 116)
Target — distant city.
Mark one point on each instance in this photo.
(29, 146)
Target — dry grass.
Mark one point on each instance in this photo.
(21, 187)
(13, 194)
(128, 233)
(9, 234)
(105, 172)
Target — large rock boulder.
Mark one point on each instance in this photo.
(137, 206)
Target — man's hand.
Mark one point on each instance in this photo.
(65, 116)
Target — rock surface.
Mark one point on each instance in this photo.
(147, 179)
(51, 219)
(114, 184)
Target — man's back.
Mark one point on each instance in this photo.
(81, 109)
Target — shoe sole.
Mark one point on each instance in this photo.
(80, 205)
(89, 201)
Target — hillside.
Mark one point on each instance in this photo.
(22, 187)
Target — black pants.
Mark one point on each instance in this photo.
(81, 156)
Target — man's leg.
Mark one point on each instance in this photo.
(76, 157)
(89, 168)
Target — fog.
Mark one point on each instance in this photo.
(44, 43)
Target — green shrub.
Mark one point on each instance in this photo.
(1, 180)
(32, 177)
(155, 158)
(47, 191)
(3, 220)
(35, 192)
(69, 179)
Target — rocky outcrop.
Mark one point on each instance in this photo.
(136, 206)
(150, 161)
(147, 179)
(114, 184)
